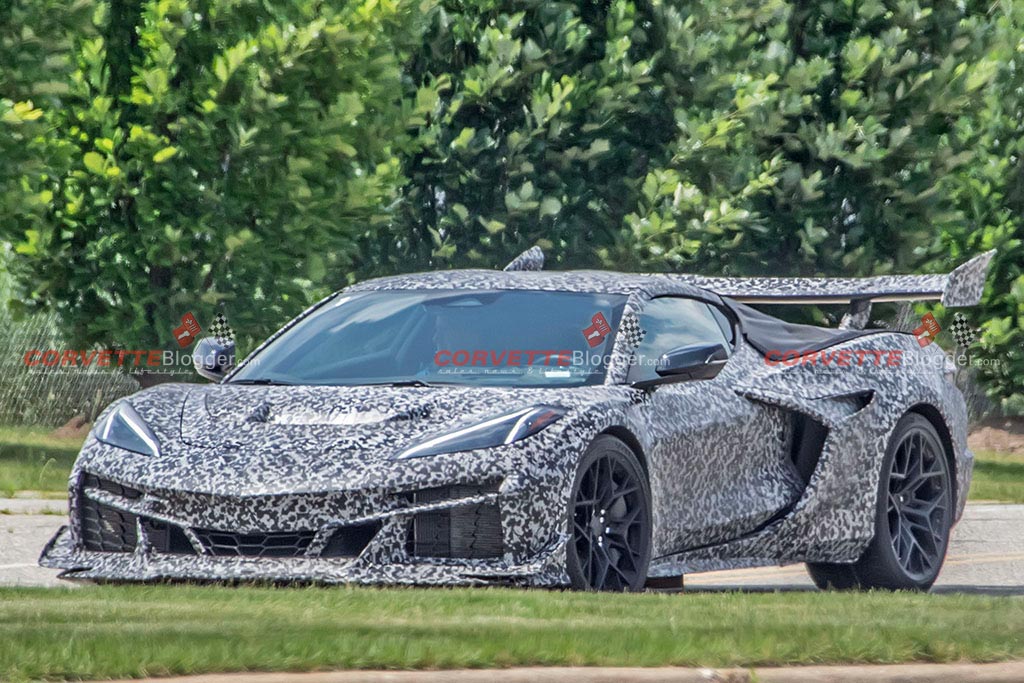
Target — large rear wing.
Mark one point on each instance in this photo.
(962, 287)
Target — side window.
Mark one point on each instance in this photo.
(671, 322)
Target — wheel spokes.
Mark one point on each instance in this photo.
(917, 505)
(608, 516)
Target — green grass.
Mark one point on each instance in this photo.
(125, 631)
(121, 631)
(998, 477)
(32, 460)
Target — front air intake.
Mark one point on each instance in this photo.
(104, 528)
(167, 538)
(350, 540)
(257, 545)
(471, 531)
(91, 481)
(107, 529)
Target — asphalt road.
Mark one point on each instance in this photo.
(986, 556)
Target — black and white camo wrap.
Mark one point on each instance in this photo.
(531, 259)
(717, 454)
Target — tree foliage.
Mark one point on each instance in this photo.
(550, 117)
(990, 195)
(214, 152)
(226, 154)
(825, 136)
(36, 52)
(778, 137)
(828, 144)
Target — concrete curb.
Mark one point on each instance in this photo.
(1006, 672)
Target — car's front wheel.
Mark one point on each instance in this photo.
(913, 518)
(609, 520)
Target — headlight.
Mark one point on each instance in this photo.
(125, 429)
(497, 431)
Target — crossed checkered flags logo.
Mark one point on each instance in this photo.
(222, 331)
(631, 332)
(962, 331)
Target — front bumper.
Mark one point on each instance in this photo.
(62, 553)
(462, 534)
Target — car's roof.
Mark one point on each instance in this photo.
(598, 281)
(762, 330)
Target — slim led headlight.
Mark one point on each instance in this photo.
(497, 431)
(124, 428)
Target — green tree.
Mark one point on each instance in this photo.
(821, 137)
(812, 137)
(36, 49)
(779, 137)
(990, 193)
(548, 119)
(174, 155)
(217, 154)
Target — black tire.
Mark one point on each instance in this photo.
(609, 520)
(913, 519)
(836, 577)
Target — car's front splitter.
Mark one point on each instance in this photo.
(545, 569)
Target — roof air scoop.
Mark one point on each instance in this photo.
(531, 259)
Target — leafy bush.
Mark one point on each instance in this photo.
(255, 155)
(215, 153)
(36, 49)
(990, 193)
(548, 125)
(782, 138)
(710, 136)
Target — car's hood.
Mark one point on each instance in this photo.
(263, 439)
(377, 420)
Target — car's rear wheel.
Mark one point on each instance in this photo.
(609, 520)
(913, 518)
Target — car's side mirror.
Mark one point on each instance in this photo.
(212, 359)
(694, 361)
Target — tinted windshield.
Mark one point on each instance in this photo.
(492, 338)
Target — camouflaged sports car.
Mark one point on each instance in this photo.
(588, 429)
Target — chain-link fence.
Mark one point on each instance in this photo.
(40, 395)
(49, 396)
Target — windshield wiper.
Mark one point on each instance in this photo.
(404, 383)
(263, 382)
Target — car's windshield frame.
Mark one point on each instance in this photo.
(593, 370)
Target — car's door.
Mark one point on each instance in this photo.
(719, 463)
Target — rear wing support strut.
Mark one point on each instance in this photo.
(858, 316)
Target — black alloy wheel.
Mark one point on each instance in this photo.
(913, 520)
(918, 504)
(609, 520)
